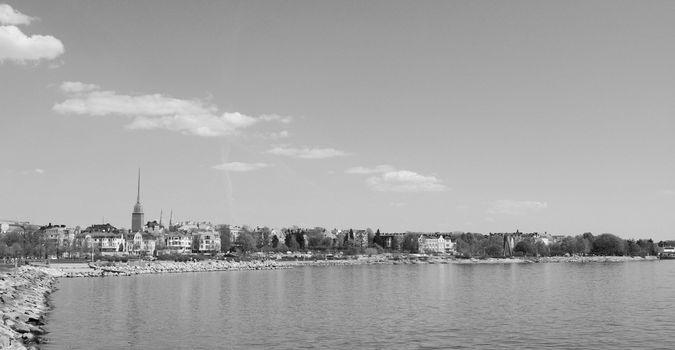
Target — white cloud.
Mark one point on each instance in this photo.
(19, 47)
(77, 87)
(39, 171)
(306, 153)
(10, 16)
(405, 181)
(512, 207)
(153, 111)
(241, 167)
(103, 102)
(387, 179)
(359, 170)
(668, 192)
(276, 117)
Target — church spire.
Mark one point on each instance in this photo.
(137, 215)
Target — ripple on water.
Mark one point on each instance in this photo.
(524, 306)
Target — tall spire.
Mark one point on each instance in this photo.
(138, 196)
(137, 215)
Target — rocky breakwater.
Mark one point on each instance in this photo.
(124, 269)
(23, 304)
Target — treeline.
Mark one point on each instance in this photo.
(315, 239)
(34, 244)
(607, 244)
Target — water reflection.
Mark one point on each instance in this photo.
(390, 306)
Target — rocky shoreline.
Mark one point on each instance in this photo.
(24, 296)
(152, 267)
(141, 268)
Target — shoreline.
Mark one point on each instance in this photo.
(157, 267)
(24, 302)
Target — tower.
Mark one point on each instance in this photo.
(137, 215)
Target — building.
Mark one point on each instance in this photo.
(137, 215)
(207, 241)
(179, 241)
(59, 234)
(106, 242)
(435, 244)
(141, 244)
(392, 240)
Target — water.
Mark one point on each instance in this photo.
(524, 306)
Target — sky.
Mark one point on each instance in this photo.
(481, 116)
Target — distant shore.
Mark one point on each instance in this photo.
(103, 269)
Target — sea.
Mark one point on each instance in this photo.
(424, 306)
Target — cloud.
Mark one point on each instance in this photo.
(241, 167)
(405, 181)
(17, 46)
(388, 179)
(517, 208)
(359, 170)
(306, 153)
(276, 117)
(154, 111)
(275, 135)
(77, 87)
(668, 192)
(39, 171)
(10, 16)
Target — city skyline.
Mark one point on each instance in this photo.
(427, 116)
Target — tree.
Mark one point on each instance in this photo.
(371, 236)
(225, 238)
(275, 242)
(246, 241)
(608, 244)
(377, 239)
(494, 250)
(525, 246)
(300, 238)
(633, 248)
(540, 248)
(16, 249)
(410, 242)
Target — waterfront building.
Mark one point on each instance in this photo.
(179, 241)
(392, 240)
(435, 244)
(106, 242)
(137, 215)
(208, 241)
(59, 234)
(141, 244)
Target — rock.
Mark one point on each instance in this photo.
(21, 327)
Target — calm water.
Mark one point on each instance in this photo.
(533, 306)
